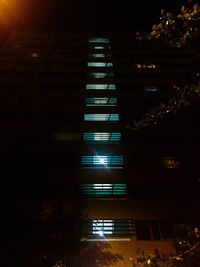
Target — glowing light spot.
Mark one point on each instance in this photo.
(102, 161)
(100, 233)
(35, 55)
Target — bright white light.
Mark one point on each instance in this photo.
(102, 161)
(100, 233)
(101, 136)
(102, 186)
(103, 227)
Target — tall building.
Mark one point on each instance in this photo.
(68, 103)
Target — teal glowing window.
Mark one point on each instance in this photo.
(102, 227)
(102, 161)
(101, 117)
(99, 190)
(150, 88)
(99, 40)
(101, 101)
(108, 229)
(99, 47)
(100, 137)
(100, 55)
(100, 86)
(100, 64)
(100, 75)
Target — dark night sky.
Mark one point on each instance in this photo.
(88, 15)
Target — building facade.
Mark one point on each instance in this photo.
(68, 103)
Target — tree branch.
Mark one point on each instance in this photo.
(185, 252)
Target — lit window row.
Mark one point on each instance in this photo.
(106, 229)
(100, 55)
(111, 86)
(99, 47)
(104, 189)
(100, 75)
(100, 137)
(100, 86)
(101, 117)
(102, 161)
(100, 64)
(99, 40)
(101, 101)
(102, 227)
(145, 66)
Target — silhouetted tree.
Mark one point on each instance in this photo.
(47, 233)
(174, 30)
(187, 245)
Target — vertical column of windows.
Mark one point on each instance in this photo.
(101, 48)
(99, 70)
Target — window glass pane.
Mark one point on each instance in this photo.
(101, 101)
(100, 75)
(145, 66)
(102, 227)
(100, 55)
(171, 163)
(101, 117)
(97, 55)
(99, 40)
(102, 186)
(143, 230)
(100, 64)
(150, 88)
(100, 190)
(100, 137)
(99, 46)
(155, 229)
(103, 86)
(102, 161)
(167, 231)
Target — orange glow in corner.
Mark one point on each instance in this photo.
(10, 11)
(6, 3)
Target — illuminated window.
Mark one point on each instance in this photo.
(101, 101)
(100, 55)
(99, 40)
(97, 55)
(100, 64)
(102, 227)
(102, 186)
(99, 190)
(100, 75)
(103, 86)
(101, 117)
(171, 163)
(99, 47)
(145, 66)
(102, 161)
(96, 137)
(108, 229)
(150, 88)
